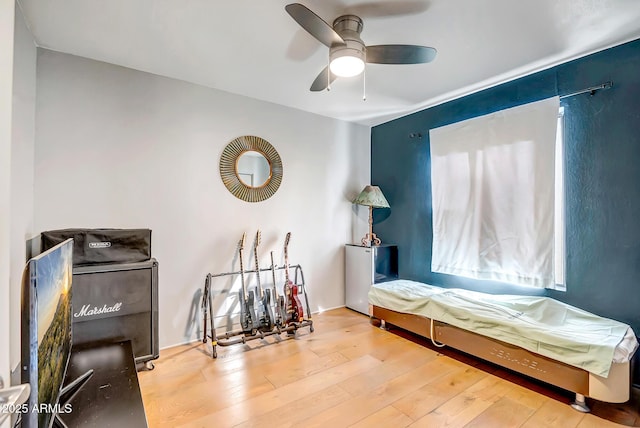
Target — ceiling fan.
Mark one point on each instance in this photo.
(347, 52)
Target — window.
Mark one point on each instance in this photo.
(494, 203)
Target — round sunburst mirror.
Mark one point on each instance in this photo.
(251, 168)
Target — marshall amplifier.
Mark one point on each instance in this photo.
(118, 302)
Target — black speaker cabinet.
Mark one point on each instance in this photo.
(117, 302)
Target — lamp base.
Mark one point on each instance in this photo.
(370, 239)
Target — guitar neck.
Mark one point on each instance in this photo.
(244, 286)
(273, 275)
(255, 255)
(286, 264)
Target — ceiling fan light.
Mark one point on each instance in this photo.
(346, 63)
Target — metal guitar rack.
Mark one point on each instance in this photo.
(239, 336)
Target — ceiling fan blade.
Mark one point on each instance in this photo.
(400, 54)
(313, 24)
(320, 84)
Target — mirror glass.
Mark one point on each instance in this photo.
(253, 169)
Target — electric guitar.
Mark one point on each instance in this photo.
(247, 312)
(281, 307)
(265, 313)
(294, 305)
(204, 306)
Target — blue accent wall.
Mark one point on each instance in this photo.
(602, 164)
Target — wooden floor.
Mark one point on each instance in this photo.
(351, 373)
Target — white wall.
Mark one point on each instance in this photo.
(6, 89)
(22, 156)
(121, 148)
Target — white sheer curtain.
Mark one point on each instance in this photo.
(493, 183)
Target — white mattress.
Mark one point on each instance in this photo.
(625, 349)
(538, 324)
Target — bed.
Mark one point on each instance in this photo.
(537, 336)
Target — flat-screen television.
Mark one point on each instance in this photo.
(46, 331)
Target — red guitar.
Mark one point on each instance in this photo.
(294, 305)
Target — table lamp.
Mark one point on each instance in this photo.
(372, 197)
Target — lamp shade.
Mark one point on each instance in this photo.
(372, 196)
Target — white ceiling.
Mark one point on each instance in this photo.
(254, 48)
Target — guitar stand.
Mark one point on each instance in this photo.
(236, 337)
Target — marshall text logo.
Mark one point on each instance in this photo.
(87, 311)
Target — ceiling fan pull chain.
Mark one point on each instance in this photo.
(364, 84)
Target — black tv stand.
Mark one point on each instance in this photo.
(109, 394)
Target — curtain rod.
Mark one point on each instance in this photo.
(591, 90)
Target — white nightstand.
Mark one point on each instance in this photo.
(365, 266)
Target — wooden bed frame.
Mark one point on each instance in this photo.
(613, 389)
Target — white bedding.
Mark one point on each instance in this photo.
(538, 324)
